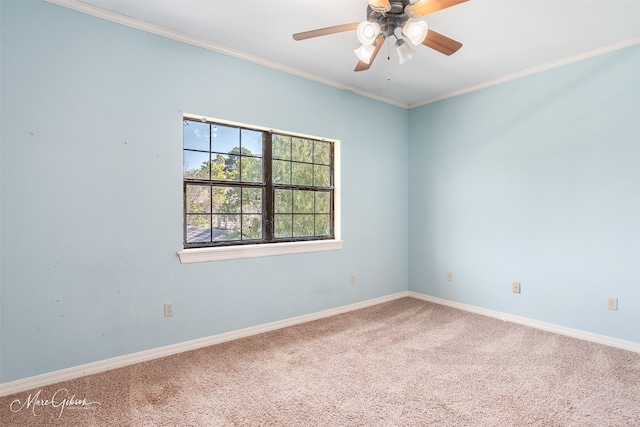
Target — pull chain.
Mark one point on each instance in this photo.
(388, 62)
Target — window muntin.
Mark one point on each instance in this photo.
(244, 185)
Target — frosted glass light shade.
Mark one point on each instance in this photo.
(364, 52)
(405, 52)
(415, 31)
(368, 32)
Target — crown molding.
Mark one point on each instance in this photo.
(195, 41)
(127, 21)
(535, 70)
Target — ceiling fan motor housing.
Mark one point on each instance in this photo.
(389, 21)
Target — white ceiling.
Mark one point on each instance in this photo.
(501, 39)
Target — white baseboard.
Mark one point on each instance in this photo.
(574, 333)
(42, 380)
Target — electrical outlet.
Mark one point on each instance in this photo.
(450, 277)
(516, 287)
(168, 309)
(612, 304)
(353, 279)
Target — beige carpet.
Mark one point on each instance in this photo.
(402, 363)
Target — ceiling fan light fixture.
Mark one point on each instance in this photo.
(415, 31)
(364, 52)
(405, 52)
(368, 32)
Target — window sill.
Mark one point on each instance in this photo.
(188, 256)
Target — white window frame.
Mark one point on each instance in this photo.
(195, 255)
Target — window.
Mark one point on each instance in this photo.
(249, 186)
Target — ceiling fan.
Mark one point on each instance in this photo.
(384, 17)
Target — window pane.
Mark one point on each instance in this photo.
(323, 202)
(281, 147)
(225, 167)
(251, 142)
(283, 201)
(251, 168)
(302, 150)
(322, 153)
(198, 199)
(196, 135)
(224, 139)
(252, 200)
(196, 165)
(302, 201)
(281, 172)
(283, 226)
(198, 228)
(252, 226)
(226, 199)
(302, 174)
(218, 198)
(321, 176)
(322, 225)
(302, 225)
(226, 227)
(217, 167)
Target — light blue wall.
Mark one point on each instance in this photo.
(92, 194)
(537, 181)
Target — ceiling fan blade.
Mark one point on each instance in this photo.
(425, 7)
(363, 66)
(325, 31)
(442, 44)
(380, 5)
